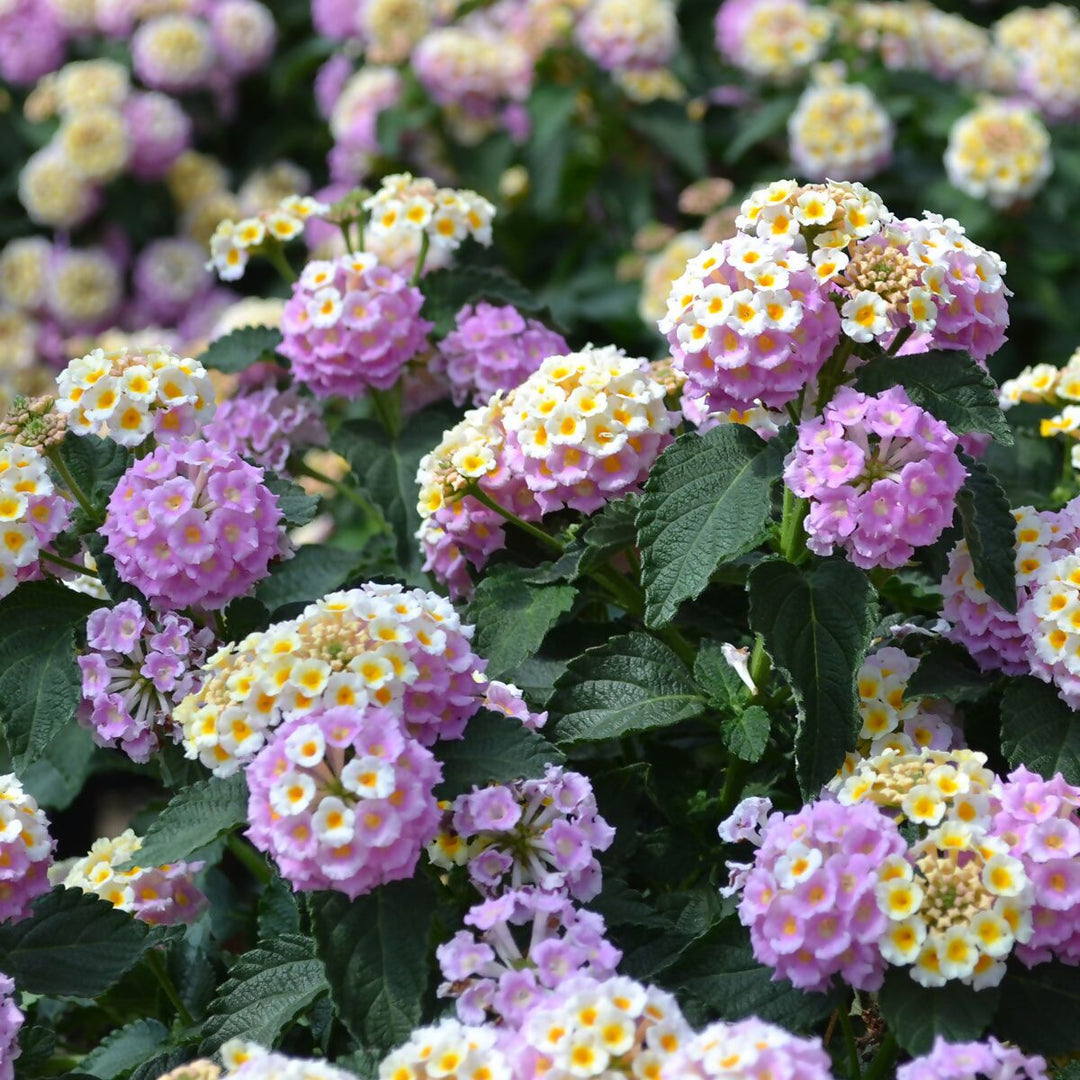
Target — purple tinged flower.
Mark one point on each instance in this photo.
(160, 132)
(244, 35)
(746, 821)
(11, 1020)
(962, 1061)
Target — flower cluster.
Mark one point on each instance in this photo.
(1043, 45)
(341, 798)
(162, 895)
(127, 396)
(140, 669)
(351, 326)
(490, 973)
(26, 850)
(999, 152)
(747, 1049)
(961, 1061)
(354, 117)
(531, 832)
(1050, 619)
(192, 525)
(447, 1051)
(1044, 384)
(839, 129)
(171, 283)
(772, 39)
(234, 242)
(249, 1061)
(378, 645)
(32, 513)
(11, 1020)
(404, 207)
(629, 34)
(494, 348)
(881, 475)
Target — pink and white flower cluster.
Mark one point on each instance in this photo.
(11, 1021)
(26, 850)
(960, 1061)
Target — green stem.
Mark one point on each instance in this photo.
(54, 456)
(901, 336)
(249, 857)
(387, 405)
(734, 781)
(760, 666)
(348, 239)
(623, 591)
(538, 534)
(832, 374)
(301, 468)
(883, 1060)
(421, 258)
(275, 256)
(67, 564)
(792, 534)
(854, 1071)
(157, 966)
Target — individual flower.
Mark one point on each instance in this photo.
(542, 832)
(11, 1020)
(234, 242)
(999, 152)
(161, 895)
(494, 348)
(528, 943)
(174, 52)
(243, 33)
(405, 206)
(26, 852)
(128, 396)
(192, 525)
(378, 645)
(961, 1061)
(351, 326)
(772, 39)
(746, 1050)
(507, 699)
(447, 1051)
(881, 475)
(136, 670)
(342, 799)
(629, 34)
(749, 322)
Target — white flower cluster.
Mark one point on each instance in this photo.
(1043, 384)
(126, 395)
(999, 152)
(448, 1050)
(233, 242)
(245, 1060)
(406, 206)
(781, 38)
(1052, 621)
(467, 451)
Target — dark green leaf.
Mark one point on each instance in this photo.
(59, 774)
(239, 350)
(1039, 1008)
(990, 532)
(720, 681)
(296, 504)
(37, 1045)
(495, 749)
(707, 501)
(606, 533)
(39, 678)
(376, 953)
(947, 671)
(266, 989)
(817, 620)
(73, 944)
(164, 1062)
(96, 464)
(670, 128)
(312, 572)
(949, 385)
(746, 734)
(125, 1048)
(512, 617)
(916, 1014)
(759, 124)
(446, 292)
(631, 684)
(1039, 730)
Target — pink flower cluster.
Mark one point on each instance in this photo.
(139, 670)
(962, 1061)
(809, 897)
(353, 105)
(881, 475)
(1040, 820)
(749, 321)
(192, 525)
(636, 35)
(26, 850)
(170, 280)
(489, 973)
(747, 1049)
(494, 348)
(351, 326)
(342, 799)
(32, 42)
(11, 1020)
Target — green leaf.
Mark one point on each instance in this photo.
(947, 671)
(718, 972)
(495, 749)
(950, 385)
(1039, 1008)
(746, 734)
(1039, 730)
(296, 504)
(239, 350)
(707, 501)
(720, 681)
(59, 774)
(603, 535)
(74, 944)
(761, 123)
(376, 951)
(193, 818)
(267, 988)
(313, 571)
(96, 464)
(817, 621)
(629, 685)
(447, 291)
(40, 684)
(990, 532)
(916, 1014)
(513, 617)
(673, 133)
(125, 1048)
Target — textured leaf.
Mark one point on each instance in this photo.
(631, 684)
(39, 678)
(125, 1048)
(296, 504)
(312, 572)
(947, 671)
(746, 733)
(446, 292)
(96, 464)
(990, 532)
(607, 532)
(720, 681)
(817, 621)
(495, 749)
(1039, 1008)
(1039, 730)
(73, 944)
(266, 989)
(707, 501)
(59, 774)
(193, 818)
(949, 385)
(376, 953)
(512, 617)
(916, 1014)
(239, 350)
